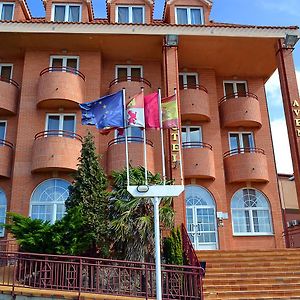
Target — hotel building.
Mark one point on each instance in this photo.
(50, 65)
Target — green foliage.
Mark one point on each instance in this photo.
(173, 251)
(132, 218)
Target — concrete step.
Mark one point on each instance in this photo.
(258, 269)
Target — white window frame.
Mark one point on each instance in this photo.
(185, 74)
(5, 129)
(188, 133)
(129, 67)
(252, 233)
(61, 118)
(7, 65)
(10, 3)
(189, 8)
(234, 82)
(67, 9)
(240, 133)
(64, 59)
(130, 7)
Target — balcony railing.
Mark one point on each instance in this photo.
(193, 86)
(237, 95)
(196, 145)
(131, 139)
(96, 276)
(11, 81)
(63, 69)
(129, 78)
(6, 143)
(62, 133)
(243, 150)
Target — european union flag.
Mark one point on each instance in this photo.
(106, 112)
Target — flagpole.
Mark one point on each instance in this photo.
(145, 146)
(126, 138)
(162, 138)
(179, 141)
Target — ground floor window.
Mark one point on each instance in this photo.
(3, 208)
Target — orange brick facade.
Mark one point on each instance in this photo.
(36, 157)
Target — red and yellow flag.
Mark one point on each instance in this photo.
(169, 112)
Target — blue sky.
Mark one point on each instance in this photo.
(257, 12)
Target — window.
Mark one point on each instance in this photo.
(189, 15)
(191, 136)
(241, 141)
(48, 200)
(188, 80)
(66, 13)
(130, 14)
(235, 88)
(3, 207)
(129, 72)
(134, 134)
(6, 11)
(250, 213)
(2, 132)
(64, 61)
(60, 122)
(6, 71)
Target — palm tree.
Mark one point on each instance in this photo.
(131, 219)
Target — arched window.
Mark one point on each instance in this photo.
(250, 213)
(48, 200)
(3, 206)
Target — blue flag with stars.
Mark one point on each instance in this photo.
(105, 113)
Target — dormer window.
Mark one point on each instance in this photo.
(66, 13)
(189, 15)
(6, 11)
(130, 14)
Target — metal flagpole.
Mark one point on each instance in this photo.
(179, 141)
(145, 147)
(162, 138)
(125, 133)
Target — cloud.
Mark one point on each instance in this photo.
(290, 7)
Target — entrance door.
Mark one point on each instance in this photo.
(201, 218)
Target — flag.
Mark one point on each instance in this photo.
(152, 111)
(105, 113)
(169, 112)
(135, 111)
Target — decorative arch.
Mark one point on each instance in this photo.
(48, 200)
(198, 195)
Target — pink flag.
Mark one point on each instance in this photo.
(152, 111)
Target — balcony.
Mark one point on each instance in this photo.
(132, 86)
(194, 103)
(6, 150)
(240, 110)
(246, 164)
(60, 87)
(56, 150)
(198, 160)
(9, 91)
(116, 159)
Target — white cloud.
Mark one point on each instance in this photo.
(273, 90)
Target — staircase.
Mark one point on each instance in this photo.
(270, 274)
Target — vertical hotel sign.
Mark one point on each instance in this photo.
(296, 113)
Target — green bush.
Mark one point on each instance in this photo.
(172, 247)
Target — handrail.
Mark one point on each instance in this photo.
(131, 139)
(193, 86)
(6, 143)
(11, 81)
(63, 69)
(62, 133)
(244, 150)
(129, 78)
(236, 95)
(196, 145)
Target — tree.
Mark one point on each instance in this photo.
(173, 249)
(89, 195)
(131, 218)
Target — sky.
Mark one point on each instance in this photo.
(256, 12)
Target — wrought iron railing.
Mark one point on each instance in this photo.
(237, 95)
(129, 78)
(11, 81)
(196, 145)
(63, 69)
(130, 139)
(97, 276)
(62, 133)
(193, 86)
(243, 150)
(6, 143)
